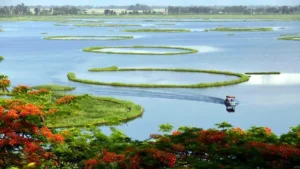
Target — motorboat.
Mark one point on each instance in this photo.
(230, 103)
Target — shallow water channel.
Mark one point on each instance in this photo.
(272, 101)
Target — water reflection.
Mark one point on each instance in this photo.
(282, 79)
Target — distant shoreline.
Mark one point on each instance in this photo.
(245, 17)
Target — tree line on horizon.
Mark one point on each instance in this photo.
(22, 9)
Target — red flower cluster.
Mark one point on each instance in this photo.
(238, 131)
(268, 131)
(283, 151)
(21, 89)
(21, 130)
(104, 158)
(52, 111)
(176, 133)
(39, 92)
(4, 83)
(65, 100)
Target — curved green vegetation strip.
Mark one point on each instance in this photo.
(97, 49)
(262, 73)
(89, 110)
(157, 30)
(295, 38)
(1, 58)
(54, 87)
(240, 29)
(88, 37)
(1, 30)
(105, 25)
(242, 78)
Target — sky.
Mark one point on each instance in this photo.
(150, 2)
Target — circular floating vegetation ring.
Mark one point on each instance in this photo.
(157, 30)
(240, 29)
(241, 78)
(292, 37)
(88, 37)
(141, 50)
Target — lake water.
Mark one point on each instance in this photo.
(272, 101)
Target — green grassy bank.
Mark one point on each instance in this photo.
(54, 87)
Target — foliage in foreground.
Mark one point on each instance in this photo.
(81, 110)
(23, 135)
(223, 147)
(25, 139)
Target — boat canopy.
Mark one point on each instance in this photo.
(230, 96)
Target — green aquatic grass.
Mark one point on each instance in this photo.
(290, 37)
(289, 34)
(112, 68)
(1, 30)
(97, 49)
(242, 78)
(44, 33)
(91, 110)
(54, 87)
(262, 73)
(231, 34)
(1, 58)
(157, 30)
(105, 25)
(88, 37)
(223, 29)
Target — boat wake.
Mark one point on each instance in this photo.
(155, 94)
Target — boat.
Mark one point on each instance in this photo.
(230, 103)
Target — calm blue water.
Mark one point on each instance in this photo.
(272, 101)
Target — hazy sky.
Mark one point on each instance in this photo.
(150, 2)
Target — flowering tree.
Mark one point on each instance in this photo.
(4, 83)
(228, 148)
(23, 136)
